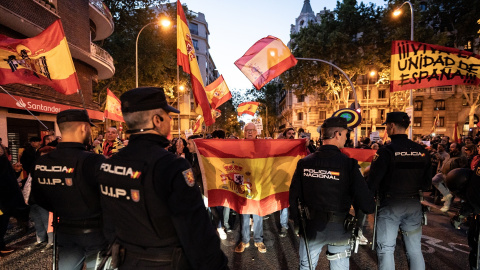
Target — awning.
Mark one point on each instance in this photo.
(36, 105)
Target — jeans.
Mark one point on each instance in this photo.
(333, 232)
(284, 218)
(223, 216)
(76, 249)
(405, 214)
(439, 182)
(257, 228)
(40, 217)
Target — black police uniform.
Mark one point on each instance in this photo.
(328, 182)
(150, 197)
(398, 172)
(63, 182)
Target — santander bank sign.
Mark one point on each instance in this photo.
(37, 106)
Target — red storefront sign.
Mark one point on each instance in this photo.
(41, 106)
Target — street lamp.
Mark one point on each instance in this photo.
(372, 73)
(396, 13)
(163, 22)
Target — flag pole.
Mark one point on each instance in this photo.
(21, 104)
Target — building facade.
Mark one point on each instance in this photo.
(27, 18)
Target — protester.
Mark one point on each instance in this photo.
(30, 154)
(160, 221)
(111, 145)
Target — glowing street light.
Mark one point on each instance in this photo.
(163, 22)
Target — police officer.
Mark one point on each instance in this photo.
(398, 173)
(327, 182)
(466, 185)
(150, 196)
(63, 182)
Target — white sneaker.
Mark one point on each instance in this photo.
(362, 240)
(449, 197)
(448, 202)
(222, 233)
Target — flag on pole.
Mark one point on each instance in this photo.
(249, 176)
(385, 136)
(44, 59)
(187, 59)
(218, 92)
(113, 107)
(198, 123)
(247, 108)
(265, 60)
(456, 138)
(435, 123)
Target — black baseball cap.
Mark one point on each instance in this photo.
(397, 117)
(145, 99)
(335, 121)
(74, 115)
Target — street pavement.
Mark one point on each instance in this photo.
(443, 247)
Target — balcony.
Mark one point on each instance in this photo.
(101, 16)
(298, 123)
(105, 66)
(298, 105)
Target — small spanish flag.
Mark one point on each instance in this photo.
(247, 108)
(113, 107)
(44, 59)
(218, 92)
(363, 156)
(265, 60)
(249, 176)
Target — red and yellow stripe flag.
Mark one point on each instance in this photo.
(363, 156)
(247, 108)
(420, 65)
(218, 92)
(265, 60)
(249, 176)
(187, 59)
(44, 59)
(113, 107)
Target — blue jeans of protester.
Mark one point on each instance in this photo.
(284, 218)
(40, 217)
(333, 233)
(257, 228)
(76, 249)
(405, 214)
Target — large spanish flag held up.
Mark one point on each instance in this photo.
(247, 108)
(44, 59)
(265, 60)
(420, 65)
(187, 59)
(363, 156)
(113, 107)
(249, 176)
(218, 92)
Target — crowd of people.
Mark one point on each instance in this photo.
(171, 178)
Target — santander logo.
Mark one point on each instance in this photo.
(20, 103)
(37, 106)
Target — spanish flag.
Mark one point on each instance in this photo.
(363, 156)
(247, 108)
(44, 59)
(249, 176)
(187, 59)
(265, 60)
(218, 92)
(113, 107)
(198, 123)
(420, 65)
(435, 123)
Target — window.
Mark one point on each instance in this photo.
(464, 101)
(175, 123)
(366, 94)
(382, 93)
(444, 89)
(381, 115)
(192, 106)
(195, 44)
(300, 116)
(350, 95)
(194, 28)
(322, 115)
(440, 105)
(441, 121)
(418, 105)
(417, 121)
(301, 98)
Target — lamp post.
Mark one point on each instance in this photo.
(180, 88)
(396, 13)
(163, 22)
(372, 73)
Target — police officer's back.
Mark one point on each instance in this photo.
(149, 194)
(398, 172)
(328, 182)
(63, 182)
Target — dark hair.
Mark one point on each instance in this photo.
(193, 137)
(35, 139)
(286, 130)
(218, 134)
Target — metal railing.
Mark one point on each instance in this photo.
(100, 6)
(101, 55)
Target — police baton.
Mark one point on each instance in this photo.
(374, 238)
(301, 209)
(54, 253)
